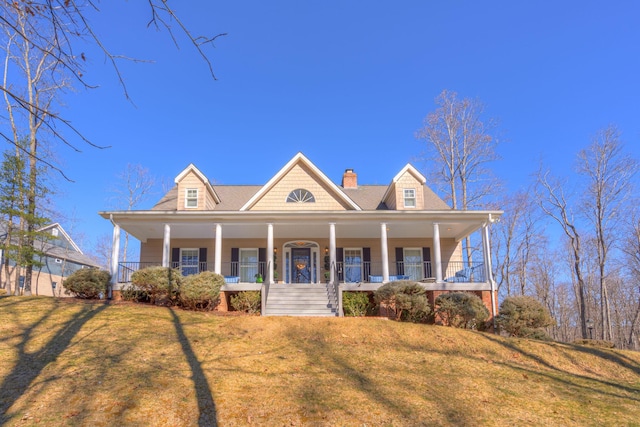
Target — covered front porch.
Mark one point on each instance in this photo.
(345, 250)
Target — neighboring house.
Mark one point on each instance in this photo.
(61, 258)
(309, 238)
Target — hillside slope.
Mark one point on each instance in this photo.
(75, 363)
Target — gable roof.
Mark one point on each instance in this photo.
(68, 238)
(408, 168)
(203, 178)
(300, 159)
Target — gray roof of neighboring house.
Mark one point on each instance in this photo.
(68, 254)
(233, 197)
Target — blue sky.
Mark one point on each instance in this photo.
(348, 84)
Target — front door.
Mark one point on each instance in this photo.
(300, 265)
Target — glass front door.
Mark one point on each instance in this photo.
(300, 265)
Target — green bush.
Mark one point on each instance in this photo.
(87, 283)
(356, 303)
(201, 291)
(132, 293)
(407, 301)
(524, 316)
(461, 310)
(161, 284)
(247, 301)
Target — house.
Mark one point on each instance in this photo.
(309, 238)
(60, 257)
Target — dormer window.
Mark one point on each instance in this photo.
(300, 195)
(409, 198)
(191, 198)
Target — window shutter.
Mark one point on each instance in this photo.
(202, 259)
(262, 262)
(340, 263)
(426, 258)
(175, 257)
(366, 258)
(399, 261)
(235, 259)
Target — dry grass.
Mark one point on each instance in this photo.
(75, 363)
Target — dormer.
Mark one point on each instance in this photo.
(406, 191)
(194, 191)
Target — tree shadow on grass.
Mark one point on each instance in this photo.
(206, 405)
(599, 353)
(29, 365)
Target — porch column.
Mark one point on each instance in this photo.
(486, 252)
(166, 246)
(269, 253)
(332, 252)
(437, 256)
(217, 266)
(384, 250)
(115, 256)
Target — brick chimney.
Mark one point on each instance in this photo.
(349, 179)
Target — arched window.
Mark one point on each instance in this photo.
(300, 195)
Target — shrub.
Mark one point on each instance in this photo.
(160, 283)
(132, 293)
(461, 310)
(407, 301)
(355, 303)
(87, 283)
(201, 291)
(524, 316)
(247, 301)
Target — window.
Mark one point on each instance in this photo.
(248, 264)
(191, 198)
(189, 263)
(352, 265)
(409, 198)
(413, 263)
(54, 232)
(300, 195)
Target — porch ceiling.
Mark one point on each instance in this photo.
(400, 224)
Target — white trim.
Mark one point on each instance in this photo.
(299, 158)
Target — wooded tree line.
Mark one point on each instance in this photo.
(573, 241)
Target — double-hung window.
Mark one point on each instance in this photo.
(413, 263)
(191, 198)
(409, 198)
(189, 261)
(352, 265)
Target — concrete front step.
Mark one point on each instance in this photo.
(300, 300)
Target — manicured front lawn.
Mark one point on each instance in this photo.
(65, 362)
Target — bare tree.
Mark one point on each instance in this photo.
(134, 186)
(553, 202)
(36, 70)
(516, 239)
(460, 144)
(609, 174)
(631, 248)
(57, 28)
